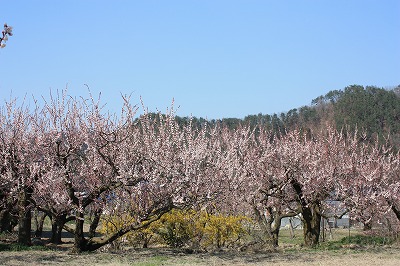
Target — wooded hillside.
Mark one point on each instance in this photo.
(373, 110)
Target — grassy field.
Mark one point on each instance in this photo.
(159, 256)
(338, 249)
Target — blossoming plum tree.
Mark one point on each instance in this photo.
(114, 165)
(289, 174)
(16, 175)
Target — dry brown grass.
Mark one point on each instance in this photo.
(161, 256)
(289, 253)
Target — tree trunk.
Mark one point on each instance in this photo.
(39, 221)
(57, 224)
(311, 226)
(311, 217)
(273, 237)
(367, 226)
(53, 232)
(60, 221)
(59, 233)
(396, 212)
(24, 219)
(5, 221)
(95, 223)
(269, 226)
(82, 244)
(146, 240)
(79, 237)
(292, 235)
(275, 230)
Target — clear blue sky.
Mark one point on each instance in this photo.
(215, 58)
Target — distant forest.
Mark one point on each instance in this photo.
(372, 110)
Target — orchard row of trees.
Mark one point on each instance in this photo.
(76, 163)
(68, 159)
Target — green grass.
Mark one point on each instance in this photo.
(365, 240)
(339, 239)
(285, 238)
(18, 247)
(153, 261)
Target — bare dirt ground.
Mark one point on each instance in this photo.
(161, 256)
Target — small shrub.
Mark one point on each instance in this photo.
(199, 229)
(139, 238)
(181, 228)
(224, 230)
(176, 228)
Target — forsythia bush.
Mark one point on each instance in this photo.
(224, 230)
(200, 229)
(190, 228)
(177, 228)
(110, 224)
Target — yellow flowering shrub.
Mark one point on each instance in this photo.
(224, 230)
(183, 228)
(111, 224)
(200, 229)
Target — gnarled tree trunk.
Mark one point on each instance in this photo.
(311, 225)
(310, 215)
(271, 225)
